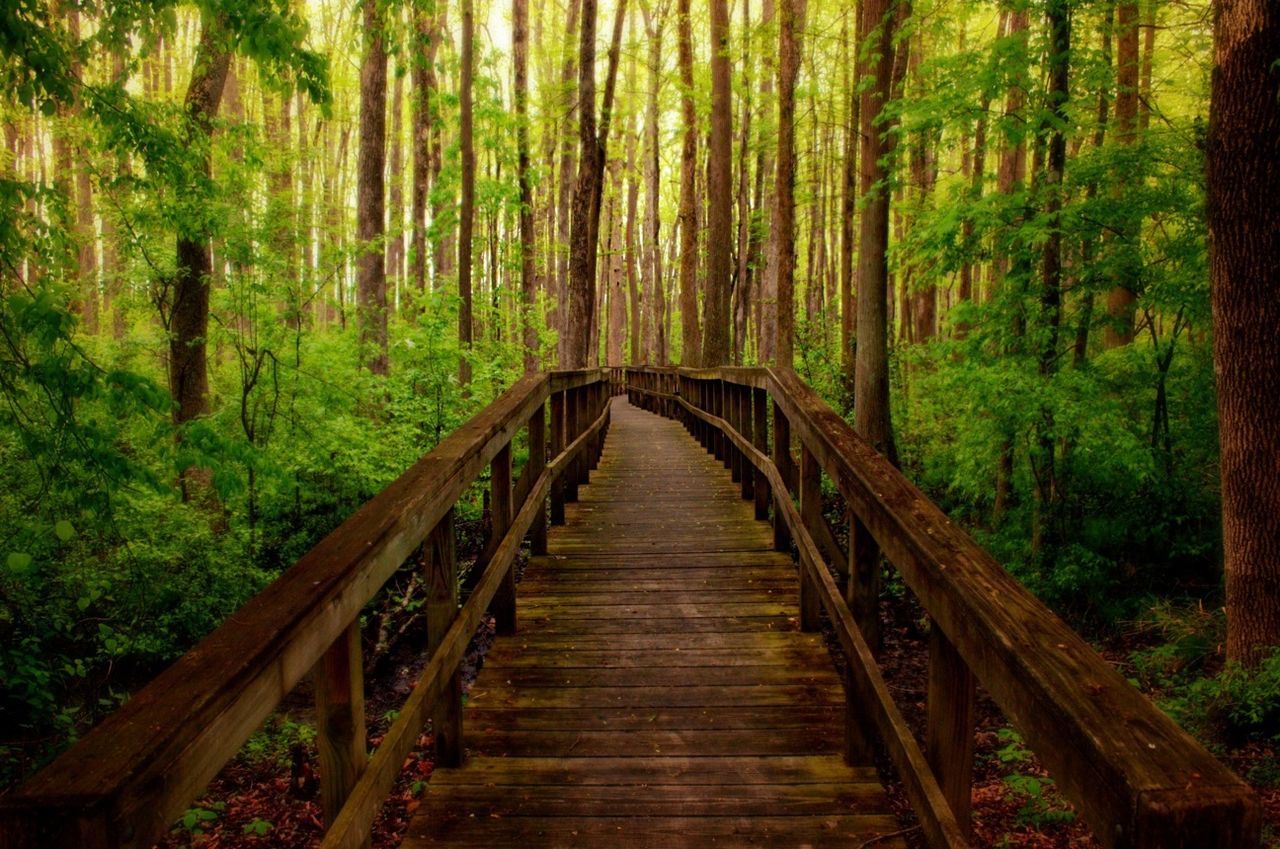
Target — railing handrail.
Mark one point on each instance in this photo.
(1138, 779)
(127, 780)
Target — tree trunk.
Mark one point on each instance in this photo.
(426, 39)
(1123, 294)
(871, 372)
(569, 107)
(654, 288)
(1244, 217)
(189, 307)
(848, 212)
(528, 283)
(742, 284)
(467, 209)
(690, 330)
(719, 281)
(371, 272)
(395, 238)
(790, 22)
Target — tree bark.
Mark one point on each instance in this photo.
(371, 271)
(871, 372)
(848, 213)
(690, 330)
(719, 281)
(1243, 155)
(1123, 295)
(466, 211)
(426, 40)
(528, 283)
(189, 307)
(654, 287)
(790, 21)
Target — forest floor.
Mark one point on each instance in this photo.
(268, 796)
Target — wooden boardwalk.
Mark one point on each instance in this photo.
(658, 691)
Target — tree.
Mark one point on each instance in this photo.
(1244, 217)
(189, 302)
(528, 282)
(719, 281)
(371, 269)
(784, 209)
(1121, 298)
(467, 210)
(871, 369)
(427, 39)
(690, 335)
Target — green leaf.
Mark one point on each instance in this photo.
(64, 530)
(19, 562)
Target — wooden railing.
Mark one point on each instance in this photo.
(1134, 775)
(128, 780)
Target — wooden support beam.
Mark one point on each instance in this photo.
(949, 742)
(810, 506)
(760, 439)
(504, 602)
(573, 427)
(781, 459)
(537, 462)
(558, 441)
(340, 730)
(442, 609)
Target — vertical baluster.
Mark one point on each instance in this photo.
(504, 600)
(732, 418)
(949, 741)
(571, 429)
(746, 427)
(537, 463)
(810, 506)
(760, 439)
(584, 420)
(558, 442)
(442, 608)
(340, 731)
(781, 459)
(863, 591)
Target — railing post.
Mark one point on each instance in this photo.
(571, 428)
(746, 426)
(504, 601)
(863, 590)
(582, 422)
(558, 442)
(340, 731)
(731, 411)
(722, 441)
(950, 740)
(781, 459)
(442, 609)
(760, 439)
(810, 506)
(538, 463)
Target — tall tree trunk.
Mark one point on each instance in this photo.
(395, 238)
(616, 274)
(655, 289)
(85, 231)
(528, 283)
(871, 373)
(690, 330)
(467, 210)
(371, 271)
(767, 302)
(637, 313)
(426, 40)
(1243, 157)
(1123, 294)
(742, 285)
(719, 282)
(189, 308)
(848, 211)
(569, 108)
(790, 22)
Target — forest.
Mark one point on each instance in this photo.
(258, 256)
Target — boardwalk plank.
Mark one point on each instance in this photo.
(659, 691)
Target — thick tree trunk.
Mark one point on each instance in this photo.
(569, 108)
(189, 307)
(637, 311)
(395, 238)
(767, 302)
(742, 283)
(848, 212)
(467, 209)
(528, 283)
(1244, 216)
(371, 271)
(719, 281)
(871, 373)
(690, 330)
(616, 273)
(654, 288)
(1123, 294)
(425, 39)
(790, 22)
